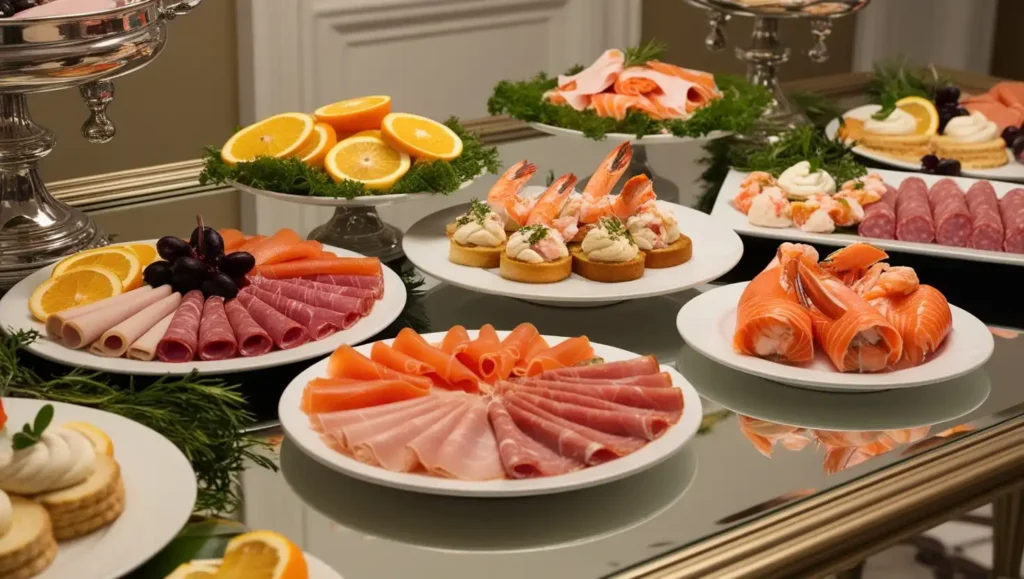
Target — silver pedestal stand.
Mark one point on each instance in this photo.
(766, 52)
(53, 53)
(360, 229)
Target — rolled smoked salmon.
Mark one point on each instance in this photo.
(499, 365)
(617, 106)
(482, 355)
(345, 362)
(233, 238)
(453, 372)
(250, 243)
(330, 395)
(455, 340)
(536, 345)
(567, 353)
(291, 252)
(368, 266)
(385, 355)
(923, 320)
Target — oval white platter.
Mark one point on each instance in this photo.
(160, 493)
(363, 201)
(620, 137)
(1012, 171)
(716, 249)
(707, 323)
(14, 314)
(296, 427)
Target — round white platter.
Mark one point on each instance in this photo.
(1012, 171)
(317, 568)
(716, 249)
(364, 201)
(160, 493)
(296, 427)
(668, 139)
(708, 321)
(887, 410)
(14, 314)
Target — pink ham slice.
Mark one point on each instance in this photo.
(659, 380)
(1011, 206)
(80, 331)
(588, 401)
(913, 212)
(950, 212)
(331, 421)
(182, 337)
(577, 89)
(663, 399)
(145, 347)
(522, 456)
(341, 290)
(351, 308)
(319, 322)
(374, 283)
(390, 448)
(216, 338)
(116, 341)
(469, 451)
(880, 217)
(55, 323)
(624, 423)
(362, 424)
(251, 338)
(285, 332)
(608, 370)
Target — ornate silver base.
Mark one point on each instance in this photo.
(764, 57)
(360, 229)
(35, 228)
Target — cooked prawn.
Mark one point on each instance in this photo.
(504, 197)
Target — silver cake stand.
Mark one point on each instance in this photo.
(766, 52)
(43, 54)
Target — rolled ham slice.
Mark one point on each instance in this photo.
(341, 290)
(663, 399)
(588, 401)
(470, 451)
(577, 90)
(522, 456)
(352, 308)
(608, 370)
(216, 338)
(145, 347)
(374, 283)
(285, 332)
(55, 323)
(83, 330)
(252, 339)
(319, 322)
(659, 380)
(182, 337)
(568, 439)
(117, 340)
(624, 423)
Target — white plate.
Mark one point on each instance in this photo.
(364, 201)
(716, 250)
(1012, 171)
(296, 426)
(727, 214)
(887, 410)
(317, 568)
(707, 323)
(160, 493)
(620, 137)
(14, 314)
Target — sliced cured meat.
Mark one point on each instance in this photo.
(679, 96)
(455, 341)
(469, 451)
(216, 338)
(321, 266)
(351, 308)
(1011, 206)
(363, 422)
(587, 401)
(271, 245)
(913, 212)
(536, 346)
(482, 354)
(55, 323)
(499, 365)
(577, 90)
(647, 426)
(284, 331)
(328, 421)
(950, 212)
(617, 106)
(116, 341)
(346, 362)
(145, 347)
(659, 380)
(385, 355)
(251, 338)
(331, 394)
(341, 290)
(370, 282)
(182, 337)
(390, 448)
(567, 438)
(319, 322)
(566, 353)
(427, 445)
(986, 221)
(664, 399)
(522, 456)
(608, 370)
(453, 372)
(880, 217)
(82, 330)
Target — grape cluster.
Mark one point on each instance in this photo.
(1014, 138)
(11, 7)
(199, 264)
(933, 165)
(947, 101)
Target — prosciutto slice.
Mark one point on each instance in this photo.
(319, 322)
(252, 339)
(659, 380)
(589, 401)
(182, 337)
(625, 423)
(568, 438)
(576, 90)
(470, 451)
(82, 330)
(349, 425)
(374, 283)
(216, 338)
(352, 308)
(608, 370)
(341, 290)
(522, 456)
(664, 399)
(285, 332)
(390, 448)
(330, 421)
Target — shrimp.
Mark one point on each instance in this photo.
(595, 202)
(850, 263)
(751, 187)
(548, 209)
(504, 197)
(864, 190)
(635, 193)
(883, 280)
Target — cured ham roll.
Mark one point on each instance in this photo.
(284, 331)
(625, 423)
(391, 448)
(341, 290)
(251, 338)
(568, 438)
(564, 354)
(986, 221)
(451, 371)
(117, 340)
(589, 401)
(461, 448)
(216, 337)
(319, 322)
(576, 90)
(605, 371)
(55, 323)
(374, 283)
(182, 337)
(82, 330)
(522, 456)
(352, 308)
(145, 347)
(345, 362)
(659, 380)
(663, 399)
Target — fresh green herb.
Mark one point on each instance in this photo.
(644, 53)
(551, 178)
(893, 80)
(478, 211)
(615, 228)
(818, 108)
(803, 143)
(888, 107)
(31, 434)
(297, 178)
(534, 233)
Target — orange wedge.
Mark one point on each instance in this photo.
(146, 252)
(279, 136)
(354, 115)
(368, 160)
(420, 137)
(262, 555)
(121, 260)
(314, 151)
(74, 288)
(924, 113)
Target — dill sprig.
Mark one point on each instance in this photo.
(203, 417)
(615, 228)
(644, 53)
(478, 211)
(893, 80)
(295, 177)
(804, 143)
(534, 233)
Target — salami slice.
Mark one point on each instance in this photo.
(352, 308)
(182, 337)
(341, 290)
(216, 338)
(370, 282)
(285, 332)
(880, 217)
(913, 212)
(252, 339)
(986, 221)
(1011, 206)
(950, 212)
(319, 322)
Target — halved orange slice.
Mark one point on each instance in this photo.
(420, 137)
(354, 115)
(262, 555)
(74, 288)
(924, 113)
(279, 136)
(368, 160)
(314, 151)
(121, 260)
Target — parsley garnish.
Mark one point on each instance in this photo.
(30, 435)
(534, 233)
(615, 228)
(641, 55)
(888, 107)
(803, 143)
(478, 211)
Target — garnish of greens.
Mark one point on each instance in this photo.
(737, 111)
(804, 143)
(32, 433)
(644, 53)
(478, 211)
(297, 178)
(205, 418)
(893, 80)
(534, 233)
(615, 228)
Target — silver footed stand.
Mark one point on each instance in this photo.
(360, 229)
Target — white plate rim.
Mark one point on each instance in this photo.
(699, 316)
(622, 137)
(718, 251)
(14, 314)
(362, 201)
(296, 427)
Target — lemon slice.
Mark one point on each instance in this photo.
(924, 113)
(75, 288)
(263, 555)
(123, 261)
(420, 137)
(99, 439)
(368, 160)
(279, 136)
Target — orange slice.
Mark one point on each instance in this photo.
(144, 251)
(369, 133)
(99, 439)
(262, 555)
(923, 112)
(75, 288)
(368, 160)
(354, 115)
(278, 137)
(120, 260)
(420, 137)
(314, 151)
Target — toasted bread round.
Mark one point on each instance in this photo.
(475, 255)
(102, 483)
(984, 155)
(678, 252)
(547, 272)
(30, 535)
(607, 272)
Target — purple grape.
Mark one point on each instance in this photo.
(1010, 135)
(946, 113)
(1018, 148)
(929, 163)
(948, 167)
(948, 94)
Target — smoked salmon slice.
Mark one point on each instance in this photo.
(233, 238)
(698, 77)
(486, 342)
(567, 353)
(536, 346)
(923, 320)
(291, 252)
(345, 362)
(453, 372)
(500, 364)
(455, 340)
(282, 238)
(385, 355)
(331, 395)
(617, 105)
(366, 266)
(250, 243)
